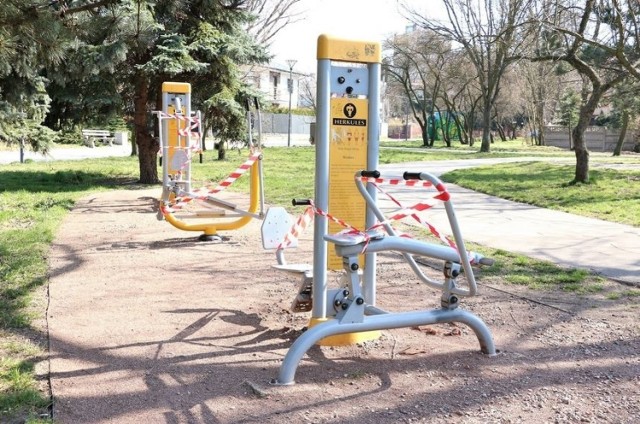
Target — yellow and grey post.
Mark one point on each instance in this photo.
(327, 86)
(176, 99)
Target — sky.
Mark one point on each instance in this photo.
(371, 20)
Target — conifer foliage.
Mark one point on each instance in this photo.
(82, 62)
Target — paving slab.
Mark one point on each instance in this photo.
(609, 249)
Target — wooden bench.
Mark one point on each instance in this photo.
(90, 137)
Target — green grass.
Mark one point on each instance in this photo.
(509, 148)
(511, 268)
(515, 147)
(631, 293)
(611, 195)
(35, 197)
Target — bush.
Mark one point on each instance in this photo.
(70, 136)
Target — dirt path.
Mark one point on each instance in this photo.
(148, 325)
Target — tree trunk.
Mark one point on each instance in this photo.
(485, 147)
(222, 150)
(147, 145)
(580, 148)
(540, 106)
(134, 145)
(446, 137)
(501, 132)
(623, 133)
(433, 130)
(462, 133)
(470, 127)
(425, 135)
(540, 140)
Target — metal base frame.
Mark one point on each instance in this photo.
(381, 322)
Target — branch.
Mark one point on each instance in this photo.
(89, 6)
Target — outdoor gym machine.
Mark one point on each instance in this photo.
(347, 138)
(179, 200)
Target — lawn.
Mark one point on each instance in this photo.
(611, 195)
(35, 197)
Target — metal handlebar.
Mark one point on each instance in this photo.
(453, 222)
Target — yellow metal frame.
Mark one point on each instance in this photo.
(173, 141)
(176, 87)
(357, 51)
(211, 229)
(346, 338)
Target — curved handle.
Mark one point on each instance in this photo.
(370, 174)
(301, 202)
(411, 175)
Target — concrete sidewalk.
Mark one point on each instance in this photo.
(70, 153)
(609, 249)
(82, 152)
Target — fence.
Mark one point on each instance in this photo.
(278, 123)
(597, 139)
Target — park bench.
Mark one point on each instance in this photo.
(90, 137)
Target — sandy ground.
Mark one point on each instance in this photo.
(147, 324)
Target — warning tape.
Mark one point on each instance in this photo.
(396, 181)
(242, 169)
(183, 200)
(195, 125)
(298, 228)
(307, 216)
(178, 116)
(184, 132)
(442, 195)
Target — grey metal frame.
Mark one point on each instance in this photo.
(354, 309)
(353, 313)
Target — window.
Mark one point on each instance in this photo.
(275, 78)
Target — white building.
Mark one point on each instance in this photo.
(272, 80)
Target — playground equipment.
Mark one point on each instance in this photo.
(179, 201)
(347, 133)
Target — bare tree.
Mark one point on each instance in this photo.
(492, 34)
(626, 103)
(597, 39)
(541, 84)
(308, 92)
(416, 64)
(271, 17)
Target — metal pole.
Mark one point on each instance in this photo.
(291, 64)
(320, 223)
(373, 153)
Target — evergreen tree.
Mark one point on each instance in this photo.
(125, 51)
(31, 36)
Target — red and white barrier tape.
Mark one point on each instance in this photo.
(442, 196)
(298, 228)
(242, 169)
(412, 211)
(396, 181)
(178, 116)
(186, 132)
(183, 200)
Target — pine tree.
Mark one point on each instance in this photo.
(129, 48)
(30, 37)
